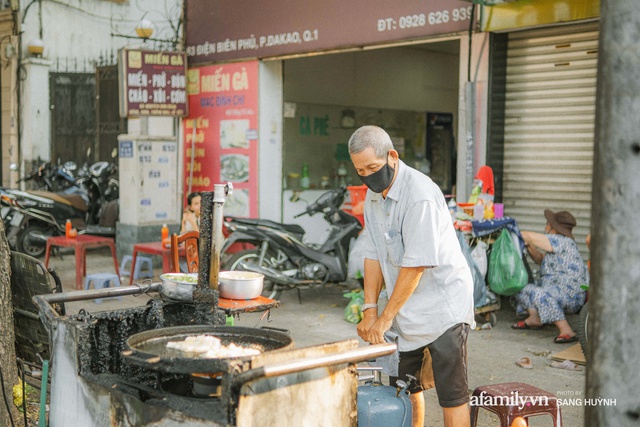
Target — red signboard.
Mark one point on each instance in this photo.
(152, 83)
(220, 30)
(221, 133)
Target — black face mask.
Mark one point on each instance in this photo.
(380, 180)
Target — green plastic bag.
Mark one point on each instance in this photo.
(507, 273)
(353, 310)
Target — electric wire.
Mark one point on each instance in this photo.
(4, 395)
(473, 10)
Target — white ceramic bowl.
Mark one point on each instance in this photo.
(240, 284)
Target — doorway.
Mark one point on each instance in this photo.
(328, 96)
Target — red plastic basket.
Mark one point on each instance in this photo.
(355, 207)
(357, 193)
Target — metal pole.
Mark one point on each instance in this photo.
(614, 323)
(193, 154)
(470, 114)
(42, 418)
(290, 367)
(220, 192)
(43, 302)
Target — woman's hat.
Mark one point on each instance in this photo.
(563, 222)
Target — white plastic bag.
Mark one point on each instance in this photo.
(479, 285)
(355, 265)
(479, 255)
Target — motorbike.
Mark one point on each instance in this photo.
(50, 177)
(31, 217)
(103, 192)
(278, 252)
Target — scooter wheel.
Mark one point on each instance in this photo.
(26, 244)
(582, 329)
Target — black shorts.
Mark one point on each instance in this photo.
(449, 359)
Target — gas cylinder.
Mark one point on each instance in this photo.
(383, 406)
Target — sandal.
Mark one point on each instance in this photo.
(567, 364)
(565, 338)
(521, 324)
(525, 362)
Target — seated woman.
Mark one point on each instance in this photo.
(191, 216)
(562, 271)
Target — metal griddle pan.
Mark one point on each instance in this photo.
(149, 348)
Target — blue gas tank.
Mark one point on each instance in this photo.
(383, 406)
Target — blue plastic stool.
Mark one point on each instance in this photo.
(101, 281)
(138, 272)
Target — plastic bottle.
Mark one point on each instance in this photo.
(165, 234)
(305, 182)
(478, 211)
(488, 211)
(67, 228)
(342, 175)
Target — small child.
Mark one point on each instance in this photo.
(191, 216)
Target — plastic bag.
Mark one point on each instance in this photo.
(479, 285)
(507, 272)
(479, 255)
(355, 264)
(353, 311)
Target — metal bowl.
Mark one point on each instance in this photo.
(179, 286)
(240, 284)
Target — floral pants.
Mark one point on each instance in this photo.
(551, 301)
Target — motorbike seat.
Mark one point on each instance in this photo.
(291, 228)
(73, 200)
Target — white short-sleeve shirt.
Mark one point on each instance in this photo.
(412, 227)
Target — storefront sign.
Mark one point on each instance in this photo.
(152, 83)
(221, 133)
(530, 13)
(218, 30)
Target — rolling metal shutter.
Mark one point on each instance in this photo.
(550, 125)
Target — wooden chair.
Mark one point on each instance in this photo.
(191, 240)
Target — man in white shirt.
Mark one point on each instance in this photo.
(412, 248)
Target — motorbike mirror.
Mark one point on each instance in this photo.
(114, 152)
(88, 152)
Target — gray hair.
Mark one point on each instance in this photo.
(370, 136)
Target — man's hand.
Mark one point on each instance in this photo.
(369, 318)
(372, 328)
(376, 332)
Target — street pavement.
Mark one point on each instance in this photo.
(319, 318)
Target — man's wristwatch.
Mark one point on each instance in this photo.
(368, 306)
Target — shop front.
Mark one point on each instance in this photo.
(542, 110)
(322, 70)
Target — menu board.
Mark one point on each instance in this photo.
(152, 83)
(221, 133)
